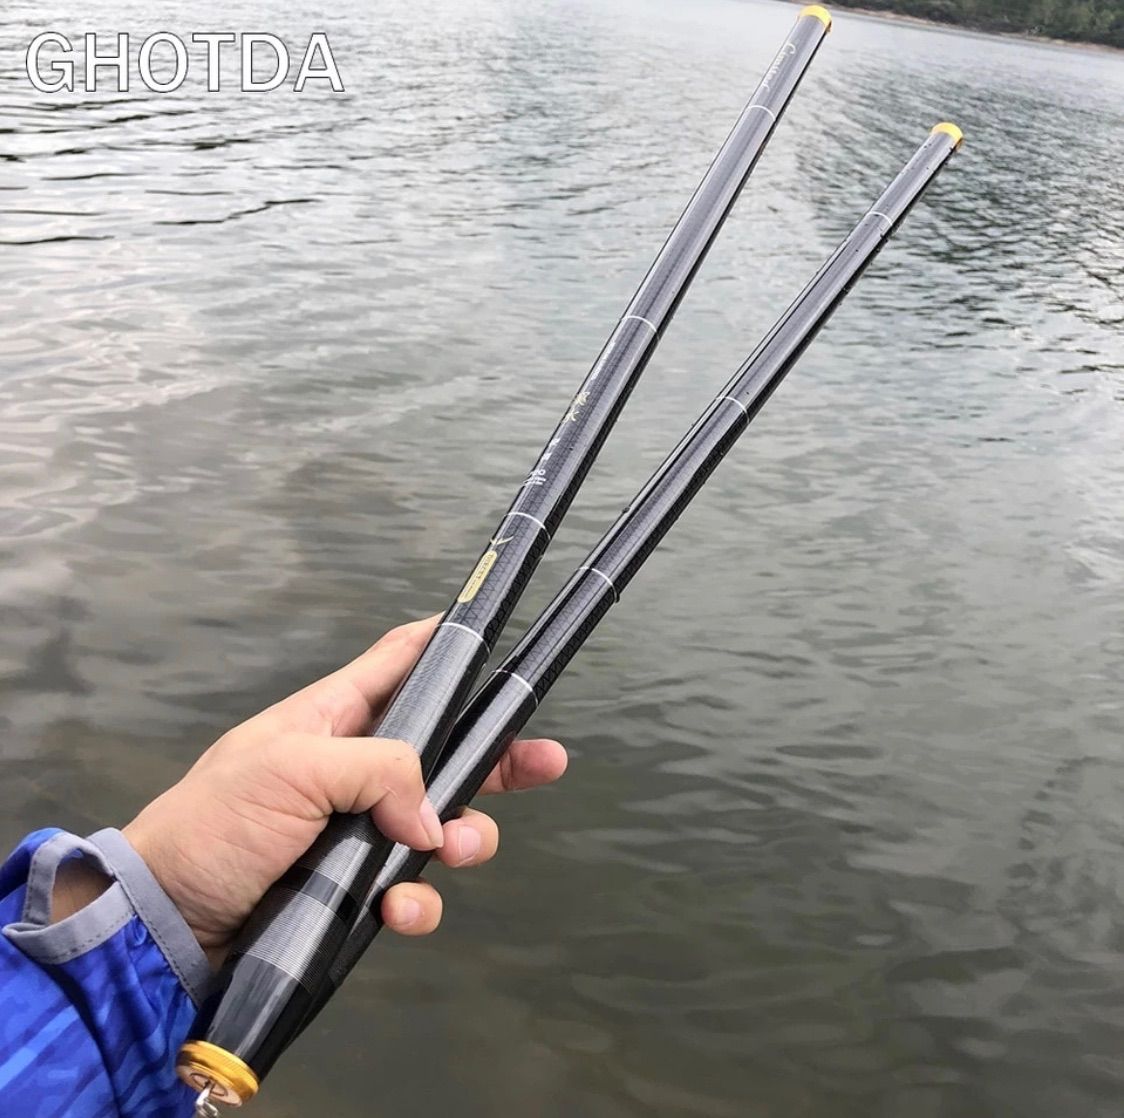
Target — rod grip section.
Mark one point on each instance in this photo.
(285, 950)
(258, 1007)
(496, 714)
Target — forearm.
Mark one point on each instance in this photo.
(100, 978)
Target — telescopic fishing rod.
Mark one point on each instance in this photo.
(293, 936)
(512, 693)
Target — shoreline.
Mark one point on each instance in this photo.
(1014, 36)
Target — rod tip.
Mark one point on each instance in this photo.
(201, 1065)
(820, 12)
(950, 129)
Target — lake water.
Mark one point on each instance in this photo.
(844, 830)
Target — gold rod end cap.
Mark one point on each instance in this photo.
(950, 129)
(200, 1064)
(820, 12)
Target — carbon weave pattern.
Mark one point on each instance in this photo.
(499, 710)
(551, 642)
(518, 545)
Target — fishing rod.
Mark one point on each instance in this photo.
(513, 692)
(265, 988)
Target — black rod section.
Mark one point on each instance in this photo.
(286, 948)
(510, 696)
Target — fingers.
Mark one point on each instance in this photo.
(310, 776)
(412, 908)
(527, 764)
(470, 840)
(353, 775)
(375, 676)
(348, 701)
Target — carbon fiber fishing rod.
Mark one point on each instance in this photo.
(512, 693)
(265, 989)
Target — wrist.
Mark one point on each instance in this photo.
(144, 839)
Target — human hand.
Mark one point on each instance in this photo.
(256, 800)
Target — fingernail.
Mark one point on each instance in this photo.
(468, 844)
(409, 912)
(432, 824)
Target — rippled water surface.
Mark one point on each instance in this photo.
(844, 831)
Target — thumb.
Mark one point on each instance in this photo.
(379, 775)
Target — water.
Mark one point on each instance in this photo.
(843, 834)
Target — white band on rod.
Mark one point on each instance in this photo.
(616, 596)
(464, 628)
(504, 671)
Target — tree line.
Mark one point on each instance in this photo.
(1095, 21)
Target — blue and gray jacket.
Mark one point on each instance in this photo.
(94, 1008)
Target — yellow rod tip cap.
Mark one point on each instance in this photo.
(820, 12)
(950, 129)
(200, 1063)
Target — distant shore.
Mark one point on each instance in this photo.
(975, 29)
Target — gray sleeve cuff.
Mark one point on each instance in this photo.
(134, 891)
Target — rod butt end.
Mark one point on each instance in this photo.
(950, 129)
(201, 1065)
(820, 12)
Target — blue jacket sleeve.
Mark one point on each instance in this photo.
(93, 1009)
